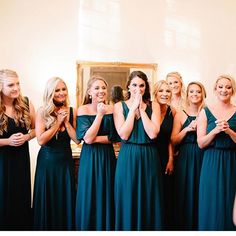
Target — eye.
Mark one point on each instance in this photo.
(160, 91)
(134, 85)
(57, 90)
(64, 89)
(141, 85)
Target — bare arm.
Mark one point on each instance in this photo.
(151, 126)
(71, 128)
(203, 138)
(234, 211)
(43, 135)
(123, 127)
(170, 164)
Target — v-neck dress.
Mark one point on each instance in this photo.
(218, 179)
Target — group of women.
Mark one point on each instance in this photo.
(176, 168)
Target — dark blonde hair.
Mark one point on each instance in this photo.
(228, 77)
(94, 78)
(48, 104)
(156, 88)
(178, 76)
(20, 104)
(203, 91)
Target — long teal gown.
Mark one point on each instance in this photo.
(15, 186)
(162, 143)
(218, 179)
(95, 194)
(138, 181)
(187, 176)
(54, 187)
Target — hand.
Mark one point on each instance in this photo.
(192, 126)
(17, 139)
(221, 125)
(62, 114)
(169, 167)
(136, 101)
(102, 108)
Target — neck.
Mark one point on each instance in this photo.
(193, 109)
(222, 104)
(163, 108)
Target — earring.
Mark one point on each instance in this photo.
(90, 97)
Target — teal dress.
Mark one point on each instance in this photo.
(138, 181)
(218, 179)
(95, 194)
(187, 176)
(54, 187)
(15, 186)
(162, 142)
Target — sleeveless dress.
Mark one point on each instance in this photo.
(162, 142)
(54, 187)
(95, 194)
(218, 179)
(138, 183)
(188, 168)
(15, 184)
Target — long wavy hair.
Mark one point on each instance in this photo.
(20, 105)
(203, 94)
(48, 104)
(178, 76)
(94, 78)
(143, 76)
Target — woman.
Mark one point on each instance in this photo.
(54, 192)
(175, 81)
(138, 189)
(95, 126)
(217, 135)
(189, 159)
(162, 95)
(16, 129)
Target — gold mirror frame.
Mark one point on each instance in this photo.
(84, 73)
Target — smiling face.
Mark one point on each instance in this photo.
(137, 86)
(163, 95)
(175, 84)
(60, 94)
(194, 93)
(10, 87)
(224, 89)
(98, 91)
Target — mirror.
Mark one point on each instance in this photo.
(115, 73)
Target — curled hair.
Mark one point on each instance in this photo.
(117, 94)
(178, 76)
(143, 76)
(203, 91)
(20, 105)
(228, 77)
(94, 78)
(156, 88)
(48, 104)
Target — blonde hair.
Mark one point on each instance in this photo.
(178, 76)
(94, 78)
(203, 91)
(48, 104)
(230, 78)
(156, 88)
(20, 105)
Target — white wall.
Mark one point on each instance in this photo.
(41, 39)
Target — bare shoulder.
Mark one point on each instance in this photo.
(118, 106)
(83, 110)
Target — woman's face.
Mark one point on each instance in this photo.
(98, 91)
(175, 85)
(163, 94)
(11, 87)
(195, 94)
(61, 93)
(137, 86)
(224, 90)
